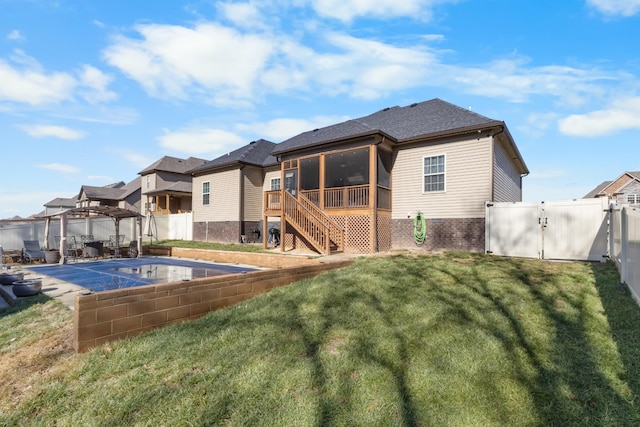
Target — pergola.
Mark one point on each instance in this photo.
(113, 212)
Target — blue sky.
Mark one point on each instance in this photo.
(92, 92)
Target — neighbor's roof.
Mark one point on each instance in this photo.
(172, 187)
(173, 164)
(256, 153)
(593, 193)
(62, 201)
(401, 124)
(600, 189)
(117, 191)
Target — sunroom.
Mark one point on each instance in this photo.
(335, 199)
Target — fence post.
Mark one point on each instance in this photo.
(624, 245)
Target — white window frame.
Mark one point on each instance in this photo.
(633, 199)
(273, 182)
(443, 173)
(206, 193)
(148, 181)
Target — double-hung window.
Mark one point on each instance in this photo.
(434, 173)
(633, 199)
(206, 193)
(275, 184)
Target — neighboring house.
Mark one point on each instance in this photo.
(372, 176)
(119, 194)
(59, 204)
(166, 185)
(228, 192)
(623, 190)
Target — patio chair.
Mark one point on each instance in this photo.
(72, 246)
(32, 250)
(115, 243)
(85, 238)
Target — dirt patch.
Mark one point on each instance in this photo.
(35, 363)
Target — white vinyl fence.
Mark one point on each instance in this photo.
(565, 229)
(625, 246)
(162, 227)
(14, 233)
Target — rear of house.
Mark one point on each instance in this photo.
(358, 186)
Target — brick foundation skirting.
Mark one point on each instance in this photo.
(111, 315)
(454, 234)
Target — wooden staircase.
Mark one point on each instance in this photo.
(320, 230)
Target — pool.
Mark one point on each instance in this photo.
(129, 272)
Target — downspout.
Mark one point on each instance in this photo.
(241, 210)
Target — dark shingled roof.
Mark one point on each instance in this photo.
(401, 124)
(173, 164)
(593, 193)
(62, 201)
(173, 187)
(256, 153)
(117, 191)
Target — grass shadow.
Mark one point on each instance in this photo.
(623, 315)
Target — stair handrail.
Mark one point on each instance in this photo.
(336, 232)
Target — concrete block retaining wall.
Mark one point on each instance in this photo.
(111, 315)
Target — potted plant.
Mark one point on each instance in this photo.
(52, 256)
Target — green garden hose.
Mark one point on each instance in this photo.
(419, 228)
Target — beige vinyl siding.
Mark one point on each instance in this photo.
(506, 178)
(467, 179)
(252, 193)
(224, 200)
(271, 173)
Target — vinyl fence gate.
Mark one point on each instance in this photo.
(564, 230)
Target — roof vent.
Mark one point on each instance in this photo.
(413, 105)
(316, 130)
(252, 142)
(386, 109)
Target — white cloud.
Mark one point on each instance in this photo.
(46, 131)
(15, 35)
(95, 84)
(25, 81)
(347, 10)
(173, 61)
(278, 130)
(245, 15)
(537, 124)
(201, 142)
(59, 167)
(33, 86)
(512, 80)
(621, 115)
(616, 7)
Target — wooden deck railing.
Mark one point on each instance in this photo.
(356, 196)
(273, 201)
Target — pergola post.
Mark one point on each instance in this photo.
(47, 227)
(139, 239)
(63, 238)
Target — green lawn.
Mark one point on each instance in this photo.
(450, 340)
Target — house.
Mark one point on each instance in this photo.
(228, 192)
(623, 190)
(59, 204)
(166, 185)
(119, 194)
(370, 184)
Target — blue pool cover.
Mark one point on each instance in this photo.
(128, 272)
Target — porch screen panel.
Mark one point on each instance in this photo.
(310, 173)
(347, 168)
